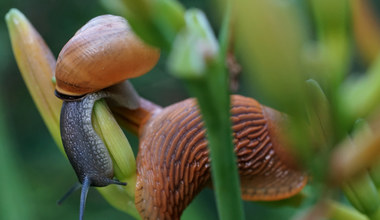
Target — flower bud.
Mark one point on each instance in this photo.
(36, 64)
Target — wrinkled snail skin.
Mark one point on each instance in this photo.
(173, 163)
(102, 54)
(84, 148)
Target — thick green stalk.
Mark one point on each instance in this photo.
(201, 63)
(214, 104)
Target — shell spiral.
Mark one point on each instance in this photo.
(102, 53)
(174, 165)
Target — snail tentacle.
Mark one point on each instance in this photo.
(74, 188)
(83, 196)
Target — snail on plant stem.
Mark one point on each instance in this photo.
(94, 64)
(173, 164)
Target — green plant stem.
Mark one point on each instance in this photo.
(214, 100)
(214, 103)
(207, 79)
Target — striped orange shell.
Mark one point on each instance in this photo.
(102, 53)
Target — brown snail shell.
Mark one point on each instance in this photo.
(102, 53)
(173, 163)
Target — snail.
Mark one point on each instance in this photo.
(173, 165)
(94, 64)
(172, 162)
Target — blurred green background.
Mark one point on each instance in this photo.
(33, 173)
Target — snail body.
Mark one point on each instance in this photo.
(173, 163)
(84, 148)
(94, 64)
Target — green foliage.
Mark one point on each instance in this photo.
(298, 58)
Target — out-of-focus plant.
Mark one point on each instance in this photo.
(307, 79)
(303, 76)
(366, 30)
(12, 188)
(279, 56)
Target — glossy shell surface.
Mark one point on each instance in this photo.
(102, 53)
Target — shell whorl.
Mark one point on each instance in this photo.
(102, 53)
(174, 165)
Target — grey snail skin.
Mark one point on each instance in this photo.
(95, 64)
(85, 150)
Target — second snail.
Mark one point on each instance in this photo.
(173, 165)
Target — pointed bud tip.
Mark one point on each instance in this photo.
(14, 16)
